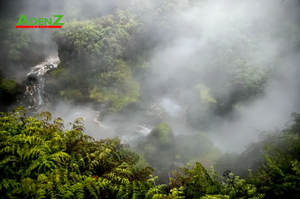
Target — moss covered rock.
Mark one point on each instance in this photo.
(159, 149)
(161, 135)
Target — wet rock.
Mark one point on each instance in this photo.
(32, 77)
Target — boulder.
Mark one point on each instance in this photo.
(161, 136)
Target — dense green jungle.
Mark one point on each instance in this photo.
(150, 99)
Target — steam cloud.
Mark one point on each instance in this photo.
(170, 65)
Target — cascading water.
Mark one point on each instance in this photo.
(34, 94)
(40, 99)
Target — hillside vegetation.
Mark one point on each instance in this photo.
(41, 158)
(219, 62)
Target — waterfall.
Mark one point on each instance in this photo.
(36, 77)
(40, 99)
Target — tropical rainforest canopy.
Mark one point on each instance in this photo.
(193, 75)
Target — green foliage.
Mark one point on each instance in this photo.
(279, 177)
(92, 54)
(99, 42)
(57, 73)
(276, 175)
(9, 91)
(196, 181)
(8, 86)
(215, 197)
(196, 147)
(15, 40)
(71, 94)
(40, 159)
(116, 86)
(162, 135)
(23, 46)
(191, 148)
(239, 188)
(161, 138)
(205, 97)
